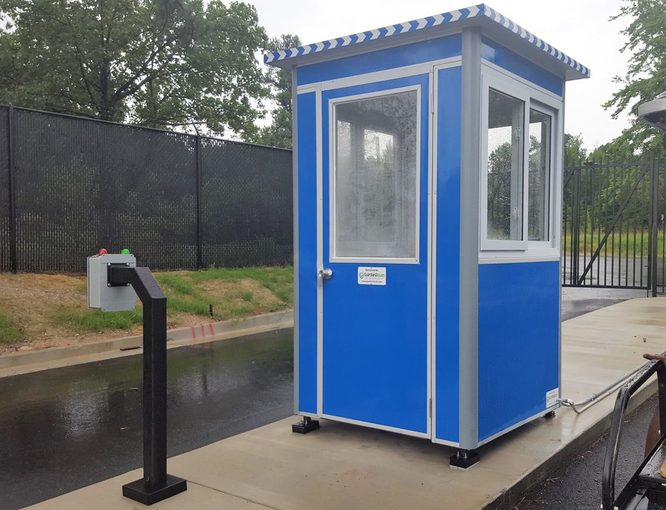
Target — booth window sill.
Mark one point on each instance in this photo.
(529, 255)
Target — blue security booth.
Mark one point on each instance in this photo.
(428, 189)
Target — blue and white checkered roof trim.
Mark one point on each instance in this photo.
(475, 11)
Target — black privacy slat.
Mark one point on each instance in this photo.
(80, 184)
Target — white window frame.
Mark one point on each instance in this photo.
(332, 122)
(504, 86)
(546, 110)
(534, 98)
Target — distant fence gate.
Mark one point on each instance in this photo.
(70, 185)
(613, 227)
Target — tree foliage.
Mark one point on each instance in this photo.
(278, 133)
(499, 190)
(574, 152)
(158, 63)
(646, 74)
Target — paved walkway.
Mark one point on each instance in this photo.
(343, 466)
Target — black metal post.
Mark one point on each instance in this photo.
(575, 230)
(198, 183)
(654, 207)
(11, 184)
(156, 484)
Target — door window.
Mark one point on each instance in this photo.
(375, 177)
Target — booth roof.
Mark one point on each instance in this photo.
(479, 15)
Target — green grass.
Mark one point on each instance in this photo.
(177, 283)
(620, 246)
(182, 294)
(278, 280)
(84, 320)
(9, 333)
(185, 294)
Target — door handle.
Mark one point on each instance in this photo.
(326, 273)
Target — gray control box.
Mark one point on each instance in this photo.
(100, 294)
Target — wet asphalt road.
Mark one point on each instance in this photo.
(66, 428)
(578, 301)
(576, 484)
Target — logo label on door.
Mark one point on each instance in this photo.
(372, 276)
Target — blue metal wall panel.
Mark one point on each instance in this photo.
(409, 54)
(447, 286)
(501, 56)
(380, 384)
(518, 342)
(307, 254)
(375, 337)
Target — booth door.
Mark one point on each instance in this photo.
(374, 255)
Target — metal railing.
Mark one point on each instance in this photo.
(613, 229)
(609, 501)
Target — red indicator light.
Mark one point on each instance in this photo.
(102, 252)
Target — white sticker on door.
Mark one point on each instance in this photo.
(372, 276)
(552, 396)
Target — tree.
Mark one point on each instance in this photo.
(157, 63)
(278, 133)
(621, 148)
(500, 162)
(646, 75)
(574, 152)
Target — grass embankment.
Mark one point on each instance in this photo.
(9, 333)
(46, 310)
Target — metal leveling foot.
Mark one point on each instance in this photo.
(306, 425)
(464, 459)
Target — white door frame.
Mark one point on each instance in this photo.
(431, 69)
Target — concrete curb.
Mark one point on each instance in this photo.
(12, 364)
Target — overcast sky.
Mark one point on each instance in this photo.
(581, 29)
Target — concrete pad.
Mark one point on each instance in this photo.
(107, 495)
(344, 466)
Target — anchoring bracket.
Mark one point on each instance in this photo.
(306, 425)
(464, 459)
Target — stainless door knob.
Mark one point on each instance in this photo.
(326, 273)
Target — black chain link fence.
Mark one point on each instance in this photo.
(70, 185)
(5, 223)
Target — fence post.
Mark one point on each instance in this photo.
(575, 230)
(198, 184)
(10, 189)
(652, 238)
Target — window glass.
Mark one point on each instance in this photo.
(539, 176)
(375, 195)
(505, 167)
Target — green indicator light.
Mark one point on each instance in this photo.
(124, 251)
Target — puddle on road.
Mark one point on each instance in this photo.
(69, 427)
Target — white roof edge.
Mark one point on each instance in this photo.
(290, 56)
